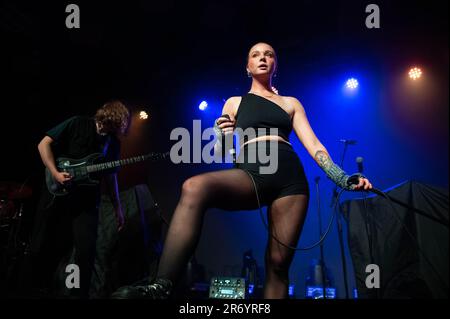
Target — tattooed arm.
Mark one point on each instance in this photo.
(334, 172)
(317, 151)
(356, 181)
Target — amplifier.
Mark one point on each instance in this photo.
(227, 288)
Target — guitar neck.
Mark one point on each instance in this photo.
(119, 163)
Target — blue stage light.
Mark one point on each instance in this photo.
(316, 292)
(251, 289)
(352, 83)
(202, 106)
(291, 290)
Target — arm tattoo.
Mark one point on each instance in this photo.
(334, 172)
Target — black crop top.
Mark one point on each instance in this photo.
(261, 114)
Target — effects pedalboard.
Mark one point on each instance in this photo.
(227, 288)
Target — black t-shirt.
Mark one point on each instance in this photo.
(77, 137)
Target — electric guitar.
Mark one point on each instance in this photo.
(86, 171)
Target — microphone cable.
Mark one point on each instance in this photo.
(279, 241)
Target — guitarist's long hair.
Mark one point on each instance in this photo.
(114, 117)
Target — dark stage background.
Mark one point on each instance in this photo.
(168, 56)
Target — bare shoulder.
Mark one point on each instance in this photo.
(234, 100)
(293, 103)
(231, 105)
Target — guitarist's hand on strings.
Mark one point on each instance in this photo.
(62, 177)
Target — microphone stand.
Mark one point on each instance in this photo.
(339, 227)
(322, 259)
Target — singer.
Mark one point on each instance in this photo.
(285, 192)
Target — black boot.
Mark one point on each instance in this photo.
(159, 289)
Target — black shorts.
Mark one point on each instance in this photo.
(289, 177)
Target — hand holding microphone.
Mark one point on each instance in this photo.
(225, 123)
(223, 128)
(358, 181)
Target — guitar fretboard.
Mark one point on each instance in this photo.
(114, 164)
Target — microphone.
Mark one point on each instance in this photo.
(348, 142)
(354, 179)
(359, 163)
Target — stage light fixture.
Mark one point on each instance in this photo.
(352, 83)
(203, 105)
(415, 73)
(143, 115)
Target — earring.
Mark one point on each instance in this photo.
(249, 74)
(275, 75)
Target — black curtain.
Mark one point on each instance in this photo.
(414, 267)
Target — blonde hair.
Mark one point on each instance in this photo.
(114, 117)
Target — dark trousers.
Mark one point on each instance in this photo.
(65, 232)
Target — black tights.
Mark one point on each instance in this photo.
(232, 189)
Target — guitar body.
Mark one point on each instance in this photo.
(87, 171)
(77, 168)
